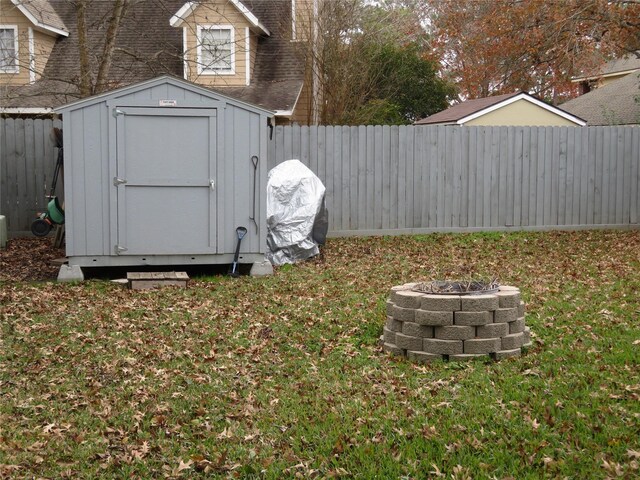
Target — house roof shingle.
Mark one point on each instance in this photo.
(617, 103)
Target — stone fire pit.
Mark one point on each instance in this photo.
(449, 326)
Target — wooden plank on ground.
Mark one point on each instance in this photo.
(147, 280)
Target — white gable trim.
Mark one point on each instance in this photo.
(189, 7)
(32, 57)
(26, 110)
(186, 10)
(250, 16)
(247, 57)
(528, 98)
(34, 20)
(185, 59)
(605, 75)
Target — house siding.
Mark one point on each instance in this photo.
(520, 113)
(43, 44)
(218, 13)
(302, 113)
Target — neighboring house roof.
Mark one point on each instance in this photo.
(42, 15)
(471, 109)
(156, 49)
(627, 64)
(617, 103)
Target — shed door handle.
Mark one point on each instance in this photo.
(212, 184)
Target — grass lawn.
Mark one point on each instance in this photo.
(282, 377)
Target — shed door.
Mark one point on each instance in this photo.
(166, 195)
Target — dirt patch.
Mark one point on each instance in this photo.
(27, 259)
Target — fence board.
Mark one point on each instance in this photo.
(621, 174)
(410, 145)
(386, 178)
(402, 177)
(635, 179)
(370, 133)
(394, 172)
(353, 192)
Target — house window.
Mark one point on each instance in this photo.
(216, 50)
(8, 49)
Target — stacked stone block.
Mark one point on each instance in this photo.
(425, 327)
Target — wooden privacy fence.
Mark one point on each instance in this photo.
(27, 161)
(390, 179)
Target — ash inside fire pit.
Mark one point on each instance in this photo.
(463, 287)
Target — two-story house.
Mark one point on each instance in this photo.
(252, 50)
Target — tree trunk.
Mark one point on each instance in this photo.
(119, 11)
(83, 47)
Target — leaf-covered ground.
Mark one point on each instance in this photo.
(282, 377)
(28, 259)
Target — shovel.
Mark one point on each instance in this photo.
(233, 271)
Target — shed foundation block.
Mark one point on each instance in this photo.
(70, 273)
(261, 269)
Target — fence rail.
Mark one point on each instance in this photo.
(390, 179)
(27, 161)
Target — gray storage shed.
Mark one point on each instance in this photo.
(161, 173)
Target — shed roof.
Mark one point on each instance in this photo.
(162, 80)
(613, 104)
(470, 109)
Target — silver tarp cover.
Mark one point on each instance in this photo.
(296, 215)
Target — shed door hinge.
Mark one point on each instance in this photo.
(118, 181)
(116, 111)
(118, 249)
